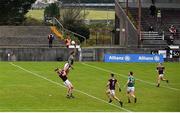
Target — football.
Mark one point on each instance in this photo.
(73, 42)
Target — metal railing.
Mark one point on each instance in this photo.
(148, 35)
(61, 28)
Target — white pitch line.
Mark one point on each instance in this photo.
(40, 76)
(150, 83)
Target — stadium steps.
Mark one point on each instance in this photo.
(177, 42)
(155, 43)
(170, 17)
(10, 31)
(26, 36)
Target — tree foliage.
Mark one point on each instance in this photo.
(72, 19)
(80, 29)
(13, 11)
(52, 10)
(72, 16)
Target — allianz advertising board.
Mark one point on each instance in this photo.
(133, 58)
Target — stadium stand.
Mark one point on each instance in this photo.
(169, 17)
(26, 36)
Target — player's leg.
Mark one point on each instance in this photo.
(132, 93)
(68, 92)
(71, 89)
(164, 79)
(128, 94)
(116, 98)
(158, 81)
(109, 95)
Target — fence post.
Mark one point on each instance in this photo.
(140, 35)
(163, 35)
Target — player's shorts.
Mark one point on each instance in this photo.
(112, 92)
(67, 83)
(161, 75)
(130, 89)
(66, 66)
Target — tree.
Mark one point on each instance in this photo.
(80, 29)
(72, 19)
(13, 11)
(72, 16)
(52, 10)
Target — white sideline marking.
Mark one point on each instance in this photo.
(126, 76)
(40, 76)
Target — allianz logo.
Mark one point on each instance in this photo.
(126, 58)
(156, 58)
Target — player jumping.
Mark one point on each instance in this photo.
(160, 70)
(111, 89)
(130, 87)
(63, 75)
(69, 64)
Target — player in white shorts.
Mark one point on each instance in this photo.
(62, 74)
(111, 90)
(160, 70)
(130, 87)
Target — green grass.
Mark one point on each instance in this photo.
(36, 14)
(92, 14)
(26, 90)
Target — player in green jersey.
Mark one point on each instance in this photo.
(130, 87)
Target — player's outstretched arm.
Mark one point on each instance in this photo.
(75, 50)
(64, 73)
(127, 83)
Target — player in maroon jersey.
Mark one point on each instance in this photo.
(111, 89)
(160, 70)
(63, 75)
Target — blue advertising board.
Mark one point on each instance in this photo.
(133, 58)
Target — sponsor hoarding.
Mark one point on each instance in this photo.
(133, 58)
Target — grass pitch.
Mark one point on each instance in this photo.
(34, 86)
(37, 14)
(92, 14)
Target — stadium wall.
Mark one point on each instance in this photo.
(61, 54)
(33, 54)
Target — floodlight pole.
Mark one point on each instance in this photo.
(127, 7)
(107, 16)
(139, 23)
(126, 23)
